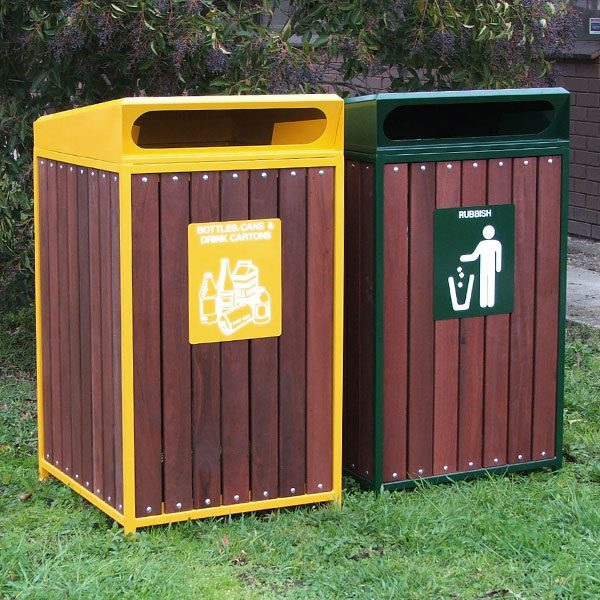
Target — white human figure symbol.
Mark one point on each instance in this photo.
(489, 253)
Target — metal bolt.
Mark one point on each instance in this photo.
(293, 173)
(320, 485)
(144, 179)
(235, 175)
(115, 178)
(366, 472)
(41, 162)
(420, 472)
(51, 164)
(395, 475)
(367, 168)
(60, 166)
(103, 175)
(237, 497)
(120, 507)
(70, 168)
(205, 177)
(423, 167)
(108, 499)
(266, 494)
(67, 469)
(525, 162)
(81, 171)
(520, 457)
(475, 165)
(445, 467)
(471, 463)
(550, 161)
(292, 490)
(500, 164)
(396, 169)
(263, 175)
(87, 484)
(93, 173)
(175, 178)
(544, 453)
(321, 172)
(178, 505)
(148, 509)
(47, 456)
(496, 461)
(76, 475)
(448, 166)
(56, 463)
(97, 491)
(352, 466)
(207, 502)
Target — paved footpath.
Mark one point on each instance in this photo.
(583, 281)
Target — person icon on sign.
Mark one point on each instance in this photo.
(489, 253)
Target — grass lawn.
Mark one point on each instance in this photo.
(523, 536)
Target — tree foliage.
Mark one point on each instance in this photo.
(58, 54)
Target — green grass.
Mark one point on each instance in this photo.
(522, 536)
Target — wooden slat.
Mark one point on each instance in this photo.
(96, 331)
(445, 425)
(497, 343)
(364, 334)
(319, 330)
(108, 417)
(234, 370)
(206, 372)
(63, 301)
(292, 357)
(264, 368)
(116, 336)
(176, 372)
(83, 231)
(44, 237)
(546, 307)
(421, 326)
(522, 318)
(351, 349)
(74, 329)
(146, 344)
(53, 289)
(395, 317)
(472, 339)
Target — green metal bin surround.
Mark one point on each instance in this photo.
(433, 390)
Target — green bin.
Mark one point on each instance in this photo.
(456, 229)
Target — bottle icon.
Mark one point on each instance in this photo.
(262, 307)
(208, 300)
(225, 288)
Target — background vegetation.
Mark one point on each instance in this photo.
(520, 537)
(58, 54)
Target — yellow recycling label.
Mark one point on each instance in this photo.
(234, 280)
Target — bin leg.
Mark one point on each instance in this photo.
(43, 474)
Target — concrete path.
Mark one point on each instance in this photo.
(583, 282)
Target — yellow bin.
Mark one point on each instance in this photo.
(189, 272)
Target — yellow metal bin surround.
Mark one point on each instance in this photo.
(189, 274)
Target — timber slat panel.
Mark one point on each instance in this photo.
(87, 468)
(53, 290)
(497, 340)
(364, 336)
(71, 201)
(472, 334)
(351, 322)
(116, 337)
(206, 371)
(421, 325)
(146, 344)
(106, 280)
(522, 317)
(292, 343)
(263, 367)
(546, 308)
(96, 331)
(235, 427)
(445, 402)
(395, 316)
(176, 374)
(44, 234)
(319, 330)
